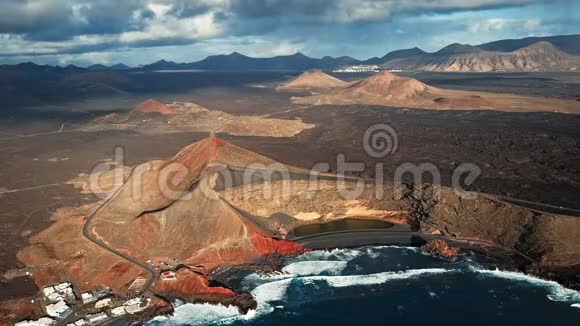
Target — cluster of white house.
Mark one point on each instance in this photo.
(131, 306)
(59, 297)
(359, 68)
(59, 292)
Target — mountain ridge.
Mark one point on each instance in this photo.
(563, 54)
(539, 56)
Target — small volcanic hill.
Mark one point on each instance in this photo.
(388, 89)
(312, 79)
(390, 86)
(152, 106)
(196, 159)
(191, 117)
(168, 208)
(540, 56)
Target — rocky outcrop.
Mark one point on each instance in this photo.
(549, 240)
(440, 248)
(192, 287)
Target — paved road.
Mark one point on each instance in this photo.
(368, 237)
(546, 208)
(153, 273)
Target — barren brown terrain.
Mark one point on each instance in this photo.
(526, 155)
(205, 227)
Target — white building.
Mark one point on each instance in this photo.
(88, 297)
(48, 291)
(359, 68)
(44, 321)
(59, 309)
(97, 318)
(79, 322)
(62, 286)
(119, 311)
(135, 305)
(54, 297)
(103, 303)
(59, 292)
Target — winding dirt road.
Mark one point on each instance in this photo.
(153, 273)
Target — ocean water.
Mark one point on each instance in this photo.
(390, 286)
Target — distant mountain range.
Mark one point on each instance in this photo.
(551, 53)
(539, 56)
(239, 62)
(100, 67)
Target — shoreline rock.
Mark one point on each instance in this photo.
(440, 248)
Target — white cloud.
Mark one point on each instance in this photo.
(352, 10)
(253, 46)
(161, 28)
(86, 58)
(345, 11)
(169, 27)
(501, 24)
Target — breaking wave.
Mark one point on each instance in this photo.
(349, 254)
(374, 279)
(557, 291)
(201, 314)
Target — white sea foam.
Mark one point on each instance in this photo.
(373, 279)
(268, 293)
(349, 254)
(201, 314)
(335, 254)
(575, 305)
(320, 262)
(557, 291)
(297, 269)
(317, 267)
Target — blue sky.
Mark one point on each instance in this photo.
(137, 32)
